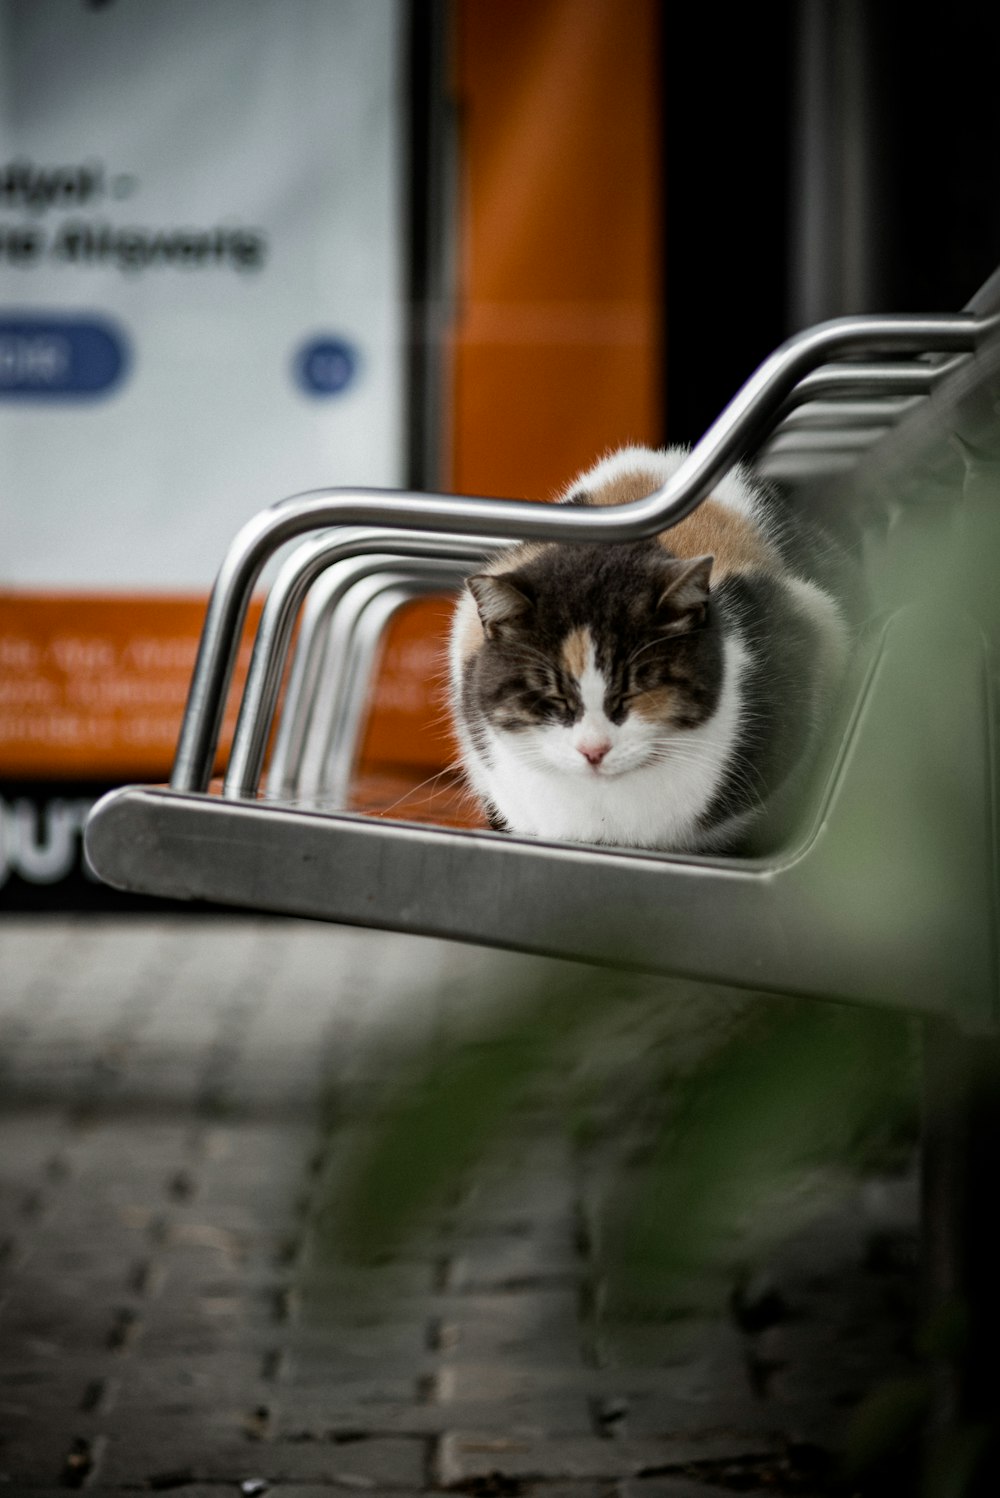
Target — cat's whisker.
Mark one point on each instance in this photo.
(658, 640)
(415, 790)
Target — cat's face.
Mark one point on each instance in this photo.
(597, 671)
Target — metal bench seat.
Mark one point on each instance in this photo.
(901, 920)
(804, 919)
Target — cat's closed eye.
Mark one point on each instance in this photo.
(619, 704)
(556, 702)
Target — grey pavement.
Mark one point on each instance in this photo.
(175, 1094)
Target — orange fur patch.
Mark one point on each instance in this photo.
(654, 705)
(713, 529)
(574, 651)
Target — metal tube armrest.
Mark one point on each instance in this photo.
(740, 426)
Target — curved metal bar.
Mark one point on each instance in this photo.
(349, 601)
(851, 380)
(313, 637)
(824, 439)
(323, 733)
(347, 720)
(271, 646)
(341, 643)
(309, 668)
(843, 414)
(274, 632)
(741, 426)
(367, 628)
(813, 467)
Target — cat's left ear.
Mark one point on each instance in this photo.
(684, 598)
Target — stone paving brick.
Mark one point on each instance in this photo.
(561, 1400)
(578, 1490)
(177, 1483)
(168, 1309)
(533, 1326)
(468, 1457)
(555, 1402)
(513, 1262)
(685, 1487)
(228, 1448)
(657, 1408)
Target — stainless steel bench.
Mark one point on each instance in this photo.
(883, 889)
(774, 922)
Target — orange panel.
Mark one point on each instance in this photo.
(94, 686)
(558, 348)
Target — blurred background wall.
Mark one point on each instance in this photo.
(251, 247)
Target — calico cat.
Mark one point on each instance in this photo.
(654, 694)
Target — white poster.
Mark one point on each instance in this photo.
(201, 271)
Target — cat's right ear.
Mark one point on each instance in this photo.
(499, 600)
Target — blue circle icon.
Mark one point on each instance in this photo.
(326, 366)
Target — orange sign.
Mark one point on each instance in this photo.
(94, 686)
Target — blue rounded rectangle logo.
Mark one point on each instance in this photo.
(60, 358)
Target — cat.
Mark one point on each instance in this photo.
(660, 694)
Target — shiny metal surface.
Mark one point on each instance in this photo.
(315, 659)
(342, 731)
(301, 569)
(305, 565)
(848, 439)
(805, 468)
(348, 604)
(854, 379)
(308, 669)
(739, 428)
(876, 898)
(848, 413)
(355, 634)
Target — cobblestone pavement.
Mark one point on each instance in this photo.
(164, 1084)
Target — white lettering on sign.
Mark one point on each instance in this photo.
(75, 655)
(35, 188)
(42, 843)
(33, 359)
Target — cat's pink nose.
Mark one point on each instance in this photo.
(594, 750)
